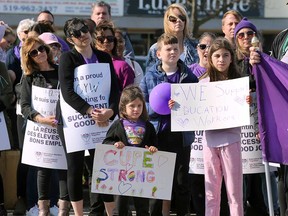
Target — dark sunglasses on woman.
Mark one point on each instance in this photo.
(174, 19)
(110, 39)
(248, 33)
(203, 46)
(35, 52)
(77, 33)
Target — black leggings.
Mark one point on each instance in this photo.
(75, 163)
(71, 183)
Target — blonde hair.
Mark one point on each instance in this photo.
(27, 63)
(182, 10)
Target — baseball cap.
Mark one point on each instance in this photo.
(49, 38)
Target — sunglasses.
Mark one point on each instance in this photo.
(77, 33)
(110, 39)
(35, 52)
(203, 46)
(248, 33)
(174, 19)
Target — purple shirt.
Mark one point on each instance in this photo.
(197, 69)
(124, 72)
(134, 131)
(166, 119)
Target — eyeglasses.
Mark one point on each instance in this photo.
(110, 38)
(26, 31)
(174, 19)
(77, 33)
(249, 34)
(203, 46)
(35, 52)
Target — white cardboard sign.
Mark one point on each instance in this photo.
(42, 145)
(92, 82)
(211, 105)
(133, 171)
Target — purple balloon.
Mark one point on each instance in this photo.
(159, 97)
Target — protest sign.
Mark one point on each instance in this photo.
(42, 145)
(133, 171)
(211, 105)
(251, 149)
(92, 82)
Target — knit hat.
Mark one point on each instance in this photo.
(244, 23)
(48, 38)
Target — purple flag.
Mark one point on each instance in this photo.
(272, 100)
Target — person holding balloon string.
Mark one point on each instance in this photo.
(132, 129)
(169, 70)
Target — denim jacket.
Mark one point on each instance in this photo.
(154, 77)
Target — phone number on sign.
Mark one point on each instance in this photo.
(27, 8)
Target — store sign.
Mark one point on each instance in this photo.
(249, 8)
(71, 7)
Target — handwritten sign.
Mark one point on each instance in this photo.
(5, 143)
(42, 145)
(212, 105)
(250, 147)
(92, 82)
(133, 171)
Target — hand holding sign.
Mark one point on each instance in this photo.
(159, 97)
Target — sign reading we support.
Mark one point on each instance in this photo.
(133, 171)
(42, 145)
(211, 105)
(5, 143)
(92, 82)
(250, 148)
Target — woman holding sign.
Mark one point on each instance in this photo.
(37, 62)
(83, 55)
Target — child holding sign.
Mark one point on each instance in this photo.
(170, 70)
(222, 148)
(132, 129)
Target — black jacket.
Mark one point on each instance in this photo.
(68, 62)
(117, 133)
